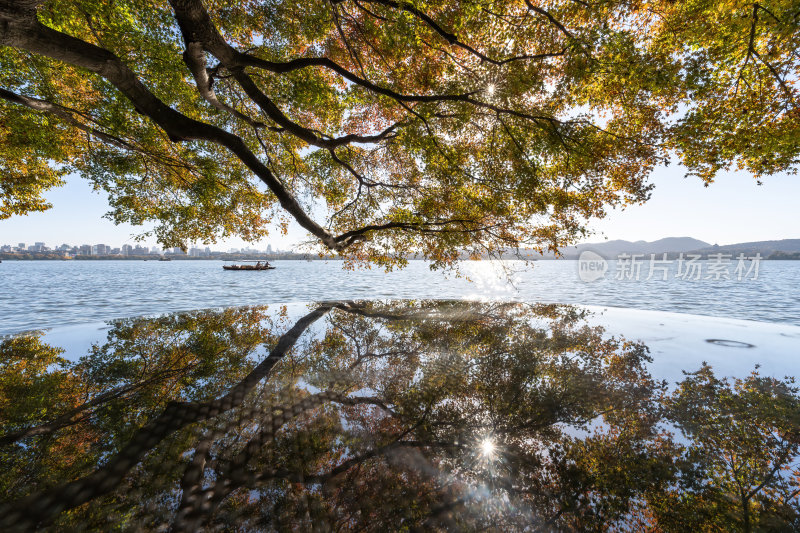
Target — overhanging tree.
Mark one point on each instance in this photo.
(388, 125)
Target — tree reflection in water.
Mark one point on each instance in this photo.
(387, 416)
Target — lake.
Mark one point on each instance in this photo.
(179, 396)
(392, 415)
(44, 294)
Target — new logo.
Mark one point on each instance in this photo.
(591, 266)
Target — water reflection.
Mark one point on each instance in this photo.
(386, 416)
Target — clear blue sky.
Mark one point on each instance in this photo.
(733, 209)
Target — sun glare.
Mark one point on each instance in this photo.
(487, 447)
(490, 89)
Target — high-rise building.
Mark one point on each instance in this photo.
(127, 249)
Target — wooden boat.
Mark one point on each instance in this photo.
(259, 265)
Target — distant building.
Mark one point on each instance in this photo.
(269, 248)
(100, 249)
(123, 250)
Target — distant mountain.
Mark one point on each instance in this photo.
(610, 249)
(669, 244)
(674, 246)
(765, 248)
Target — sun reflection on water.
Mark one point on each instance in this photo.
(490, 280)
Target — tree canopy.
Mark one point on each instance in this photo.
(379, 126)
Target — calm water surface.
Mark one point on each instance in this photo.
(42, 294)
(423, 415)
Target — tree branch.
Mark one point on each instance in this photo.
(451, 38)
(193, 57)
(20, 28)
(41, 508)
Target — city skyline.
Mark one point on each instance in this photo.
(102, 249)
